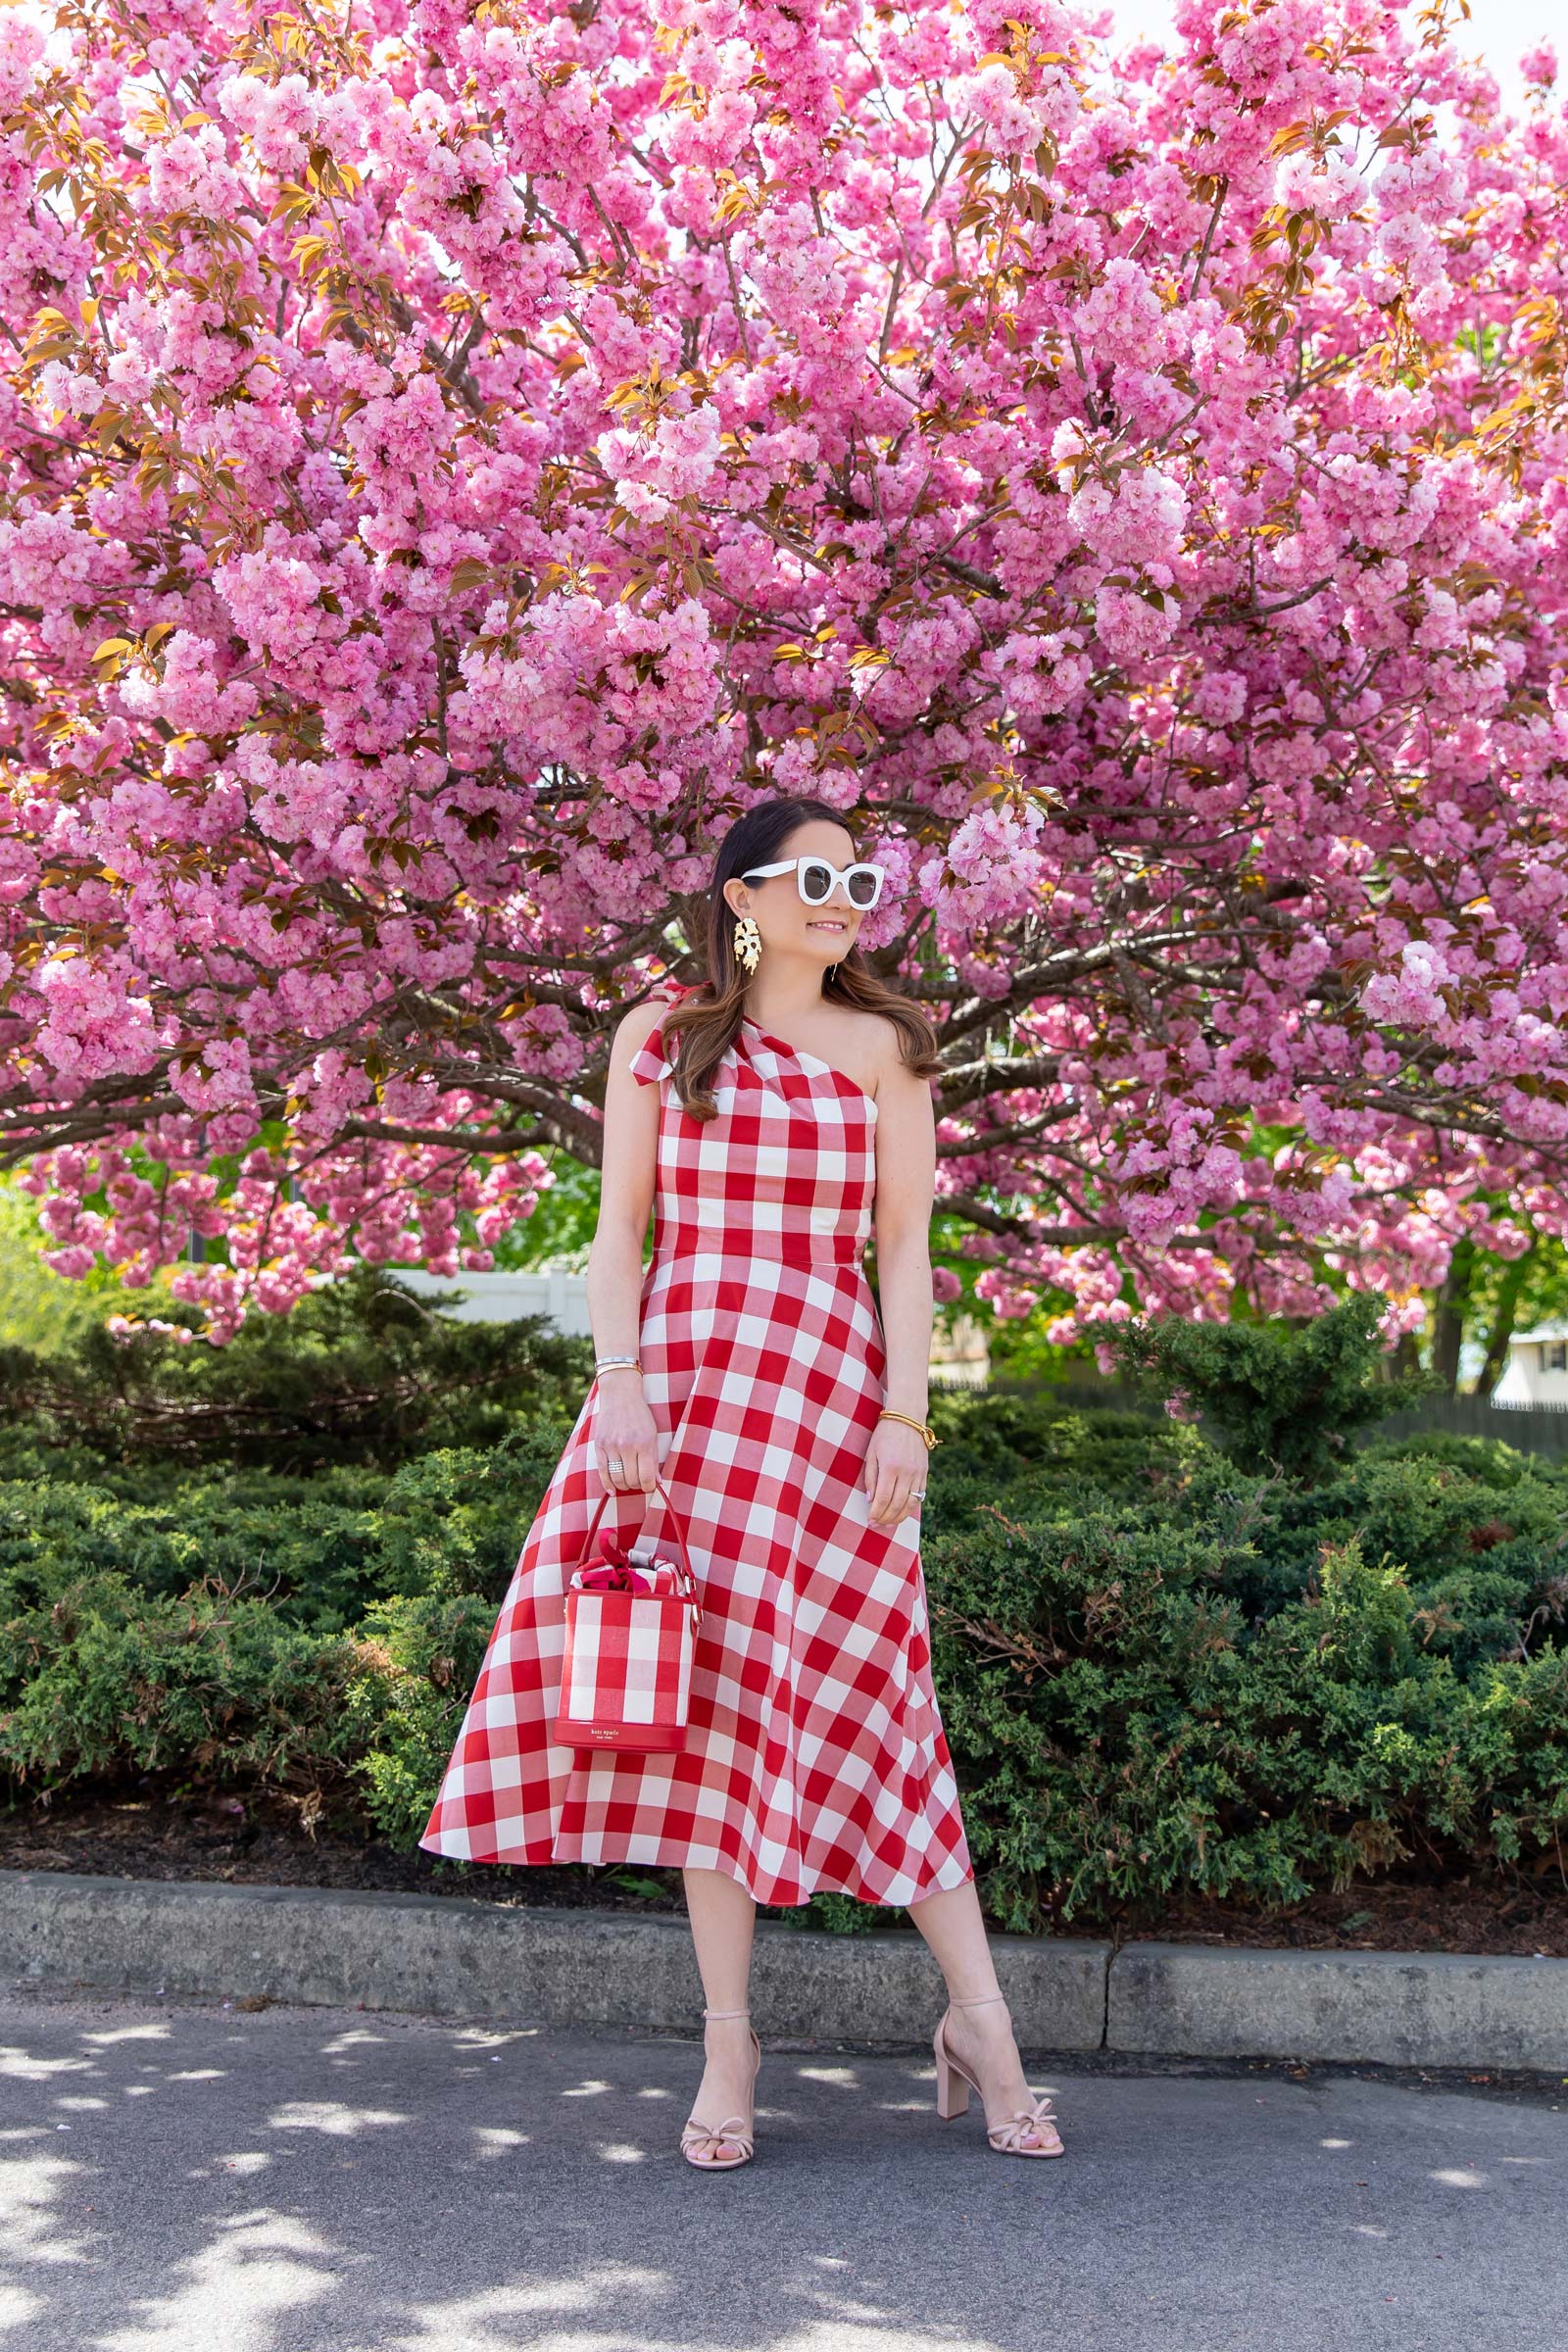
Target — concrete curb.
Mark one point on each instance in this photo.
(1382, 2008)
(451, 1956)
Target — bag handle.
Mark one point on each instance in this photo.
(674, 1520)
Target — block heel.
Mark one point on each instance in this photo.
(1009, 2137)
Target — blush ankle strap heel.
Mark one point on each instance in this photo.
(1012, 2136)
(735, 2131)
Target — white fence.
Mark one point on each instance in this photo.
(550, 1292)
(960, 1358)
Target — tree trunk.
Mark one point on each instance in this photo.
(1509, 1290)
(1447, 1329)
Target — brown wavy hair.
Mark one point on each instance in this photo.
(701, 1029)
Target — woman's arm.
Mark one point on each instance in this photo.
(906, 1186)
(623, 1425)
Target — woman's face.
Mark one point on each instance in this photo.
(821, 935)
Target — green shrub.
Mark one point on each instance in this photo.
(1158, 1669)
(309, 1547)
(363, 1371)
(104, 1679)
(1488, 1460)
(1121, 1731)
(459, 1517)
(1277, 1397)
(415, 1661)
(321, 1550)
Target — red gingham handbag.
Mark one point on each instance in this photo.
(631, 1628)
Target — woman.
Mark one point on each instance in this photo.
(764, 1118)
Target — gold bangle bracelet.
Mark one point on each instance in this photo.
(926, 1431)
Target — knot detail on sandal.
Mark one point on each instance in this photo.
(1009, 2137)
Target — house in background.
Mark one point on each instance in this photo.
(1537, 1370)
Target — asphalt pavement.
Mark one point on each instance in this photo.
(186, 2176)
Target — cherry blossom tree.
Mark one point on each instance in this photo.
(458, 457)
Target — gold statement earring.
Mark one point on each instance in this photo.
(748, 942)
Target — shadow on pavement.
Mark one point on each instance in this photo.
(187, 2177)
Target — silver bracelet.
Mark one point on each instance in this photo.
(608, 1363)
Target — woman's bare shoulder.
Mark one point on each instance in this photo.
(870, 1051)
(634, 1028)
(883, 1051)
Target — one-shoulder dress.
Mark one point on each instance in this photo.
(815, 1758)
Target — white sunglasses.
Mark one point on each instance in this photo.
(815, 878)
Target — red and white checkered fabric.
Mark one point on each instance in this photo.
(815, 1756)
(627, 1674)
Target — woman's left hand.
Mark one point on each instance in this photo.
(895, 1472)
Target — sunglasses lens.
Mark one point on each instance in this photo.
(863, 886)
(817, 880)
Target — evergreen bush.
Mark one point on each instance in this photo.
(1123, 1731)
(1276, 1396)
(1158, 1669)
(363, 1371)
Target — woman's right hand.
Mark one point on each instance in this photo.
(625, 1435)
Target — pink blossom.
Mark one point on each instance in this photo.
(447, 482)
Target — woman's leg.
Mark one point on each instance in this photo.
(722, 1916)
(950, 1922)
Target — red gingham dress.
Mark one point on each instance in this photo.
(815, 1757)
